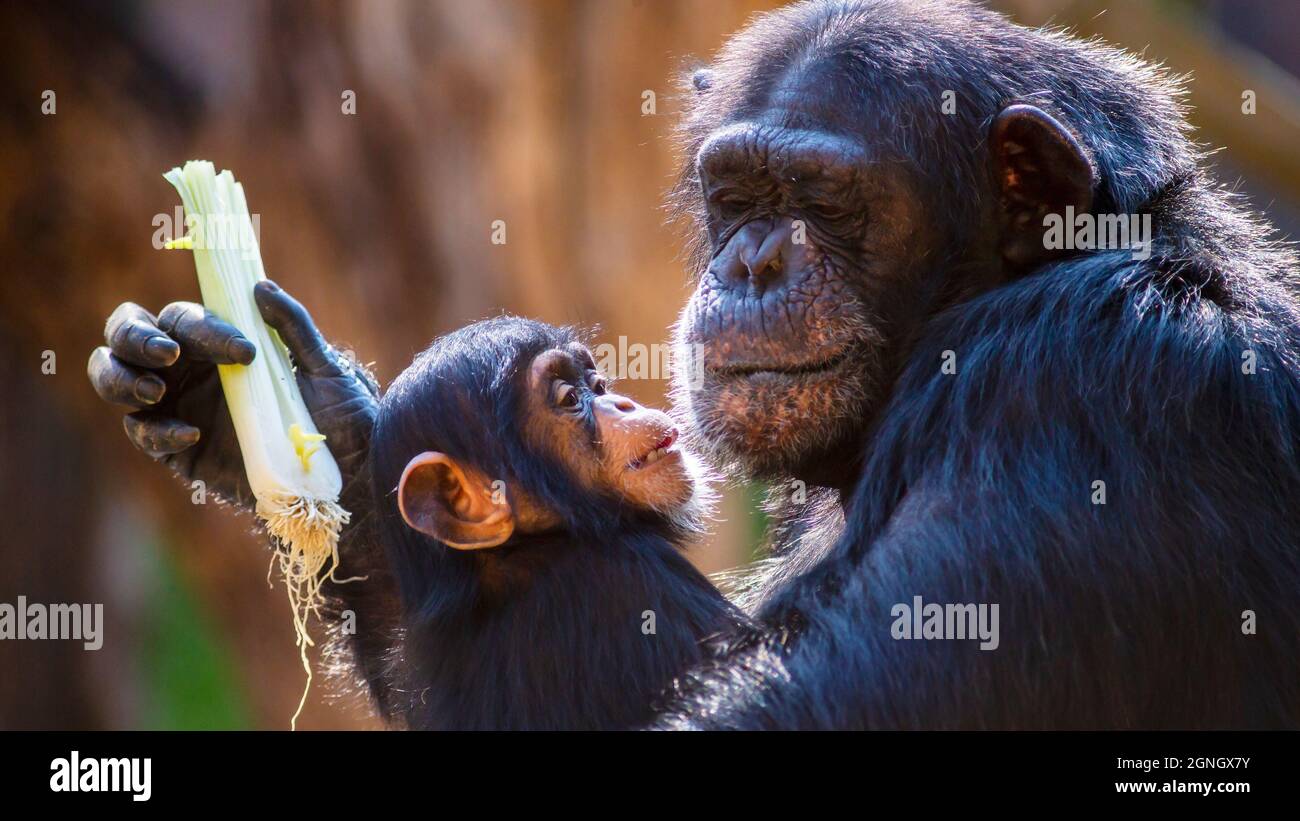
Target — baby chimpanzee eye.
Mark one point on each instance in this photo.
(566, 396)
(599, 385)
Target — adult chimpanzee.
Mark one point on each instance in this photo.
(1102, 442)
(533, 520)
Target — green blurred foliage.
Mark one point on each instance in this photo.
(190, 675)
(754, 493)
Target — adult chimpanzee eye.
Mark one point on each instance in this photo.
(826, 211)
(599, 385)
(732, 206)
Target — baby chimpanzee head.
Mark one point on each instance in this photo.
(531, 519)
(505, 428)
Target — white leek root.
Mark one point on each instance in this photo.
(293, 476)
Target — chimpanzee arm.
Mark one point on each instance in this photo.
(362, 604)
(827, 658)
(362, 601)
(1089, 631)
(164, 368)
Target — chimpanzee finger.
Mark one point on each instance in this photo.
(204, 336)
(158, 435)
(119, 383)
(134, 335)
(309, 349)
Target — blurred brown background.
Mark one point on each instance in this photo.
(466, 113)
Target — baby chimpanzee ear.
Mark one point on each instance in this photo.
(453, 503)
(1040, 169)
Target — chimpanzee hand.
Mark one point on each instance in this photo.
(165, 367)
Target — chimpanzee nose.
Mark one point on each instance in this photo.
(765, 260)
(756, 253)
(615, 404)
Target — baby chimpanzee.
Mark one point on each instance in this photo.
(534, 522)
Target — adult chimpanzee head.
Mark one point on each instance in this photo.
(505, 429)
(851, 169)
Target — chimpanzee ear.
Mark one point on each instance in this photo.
(453, 503)
(1040, 169)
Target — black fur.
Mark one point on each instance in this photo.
(977, 487)
(545, 631)
(974, 487)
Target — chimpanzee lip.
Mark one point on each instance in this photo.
(665, 445)
(787, 369)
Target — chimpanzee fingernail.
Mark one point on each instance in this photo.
(271, 286)
(240, 350)
(162, 350)
(149, 388)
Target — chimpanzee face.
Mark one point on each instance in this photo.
(449, 408)
(609, 442)
(826, 242)
(809, 238)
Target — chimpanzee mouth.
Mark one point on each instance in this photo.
(662, 450)
(798, 369)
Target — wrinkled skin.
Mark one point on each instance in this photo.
(164, 367)
(789, 316)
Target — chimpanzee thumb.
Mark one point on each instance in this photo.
(310, 351)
